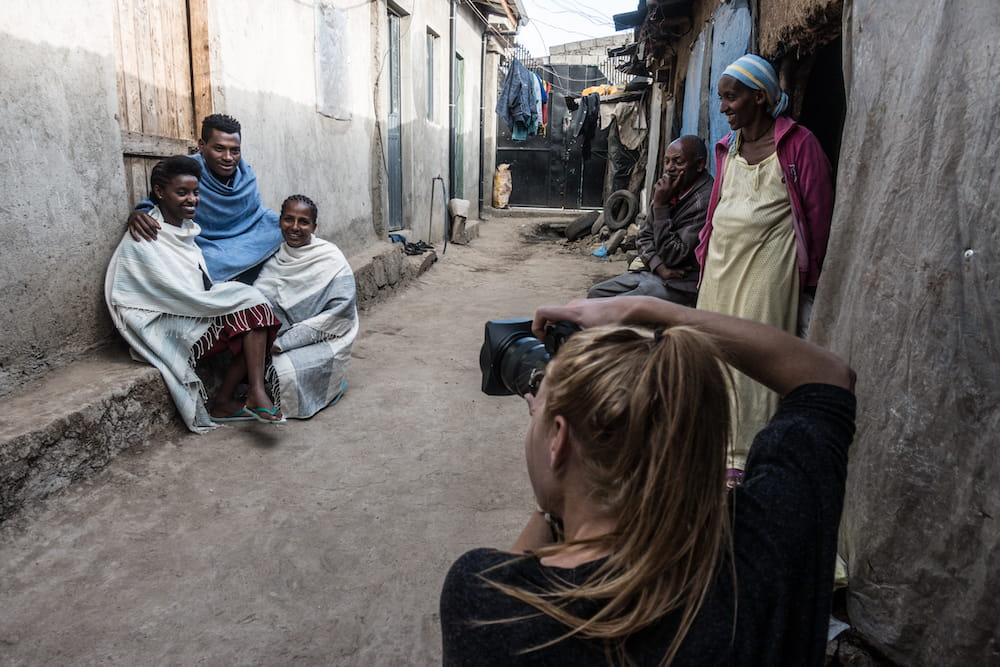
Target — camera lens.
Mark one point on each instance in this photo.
(523, 365)
(512, 360)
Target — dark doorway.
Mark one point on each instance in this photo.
(549, 171)
(824, 104)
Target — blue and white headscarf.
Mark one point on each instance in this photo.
(755, 72)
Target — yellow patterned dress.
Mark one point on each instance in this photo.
(751, 271)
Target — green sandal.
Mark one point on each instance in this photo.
(242, 415)
(257, 412)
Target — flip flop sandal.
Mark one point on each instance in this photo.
(257, 412)
(243, 415)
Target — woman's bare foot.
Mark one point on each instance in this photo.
(223, 408)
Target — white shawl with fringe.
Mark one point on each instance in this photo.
(312, 291)
(159, 303)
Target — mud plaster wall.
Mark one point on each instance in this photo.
(62, 194)
(264, 74)
(795, 21)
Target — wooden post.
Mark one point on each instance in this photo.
(201, 71)
(510, 15)
(653, 156)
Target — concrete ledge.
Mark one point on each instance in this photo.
(74, 420)
(383, 268)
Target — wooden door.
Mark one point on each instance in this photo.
(163, 82)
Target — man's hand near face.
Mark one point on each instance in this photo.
(667, 188)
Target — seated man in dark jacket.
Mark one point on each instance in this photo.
(670, 234)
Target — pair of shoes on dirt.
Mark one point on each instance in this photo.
(246, 414)
(417, 248)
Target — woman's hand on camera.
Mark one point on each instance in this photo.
(593, 312)
(774, 358)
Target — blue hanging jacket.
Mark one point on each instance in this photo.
(516, 104)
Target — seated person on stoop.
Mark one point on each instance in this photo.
(171, 314)
(666, 267)
(311, 288)
(238, 233)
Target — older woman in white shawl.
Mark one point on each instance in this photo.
(169, 312)
(311, 289)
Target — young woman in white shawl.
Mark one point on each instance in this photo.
(311, 289)
(166, 308)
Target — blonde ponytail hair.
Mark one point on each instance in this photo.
(651, 417)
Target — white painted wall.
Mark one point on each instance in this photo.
(62, 182)
(264, 74)
(425, 142)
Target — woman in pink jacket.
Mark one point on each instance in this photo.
(768, 222)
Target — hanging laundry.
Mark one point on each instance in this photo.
(545, 106)
(516, 104)
(585, 121)
(539, 97)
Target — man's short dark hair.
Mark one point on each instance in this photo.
(693, 143)
(166, 170)
(222, 123)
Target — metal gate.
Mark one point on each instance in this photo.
(549, 171)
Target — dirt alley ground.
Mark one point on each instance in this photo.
(321, 542)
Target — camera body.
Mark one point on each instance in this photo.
(512, 360)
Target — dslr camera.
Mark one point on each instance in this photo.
(512, 360)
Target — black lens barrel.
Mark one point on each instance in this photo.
(512, 360)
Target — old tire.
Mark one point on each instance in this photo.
(581, 225)
(614, 241)
(620, 209)
(595, 229)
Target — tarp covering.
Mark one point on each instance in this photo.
(911, 296)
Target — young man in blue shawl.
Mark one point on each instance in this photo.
(237, 231)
